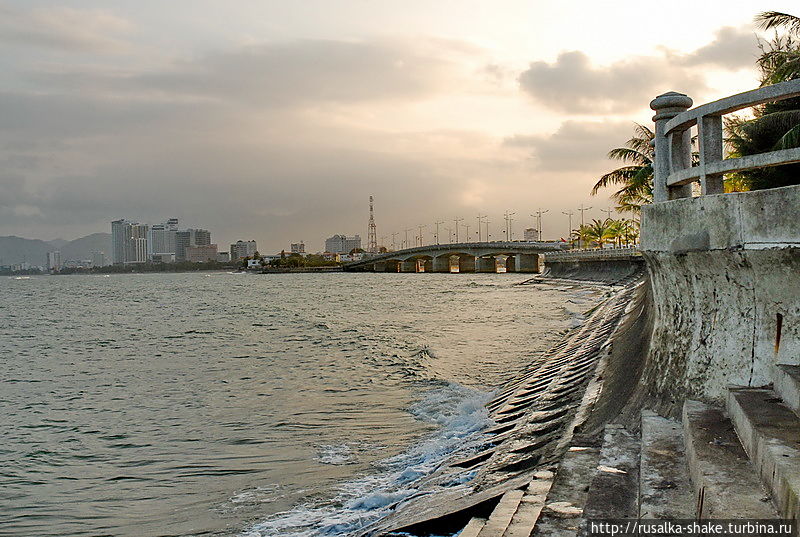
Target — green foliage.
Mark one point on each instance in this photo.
(295, 261)
(636, 176)
(776, 125)
(621, 232)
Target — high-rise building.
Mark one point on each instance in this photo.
(190, 238)
(54, 260)
(137, 249)
(120, 232)
(163, 238)
(341, 244)
(129, 242)
(298, 247)
(242, 249)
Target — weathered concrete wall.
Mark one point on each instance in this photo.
(599, 270)
(725, 274)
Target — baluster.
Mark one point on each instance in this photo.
(709, 130)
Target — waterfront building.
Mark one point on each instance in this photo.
(129, 242)
(342, 244)
(242, 249)
(298, 248)
(163, 237)
(530, 235)
(136, 245)
(120, 231)
(190, 238)
(223, 257)
(201, 253)
(54, 260)
(162, 258)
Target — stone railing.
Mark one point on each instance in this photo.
(672, 167)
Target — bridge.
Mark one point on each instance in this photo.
(499, 256)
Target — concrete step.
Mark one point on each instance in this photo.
(473, 527)
(530, 507)
(665, 489)
(787, 385)
(561, 516)
(770, 433)
(724, 480)
(501, 516)
(614, 489)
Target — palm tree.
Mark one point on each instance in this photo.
(581, 234)
(775, 125)
(781, 61)
(600, 231)
(636, 177)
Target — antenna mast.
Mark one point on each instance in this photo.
(372, 231)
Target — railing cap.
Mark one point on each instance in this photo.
(670, 104)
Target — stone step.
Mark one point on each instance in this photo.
(614, 489)
(473, 527)
(665, 489)
(502, 514)
(787, 385)
(530, 507)
(561, 516)
(725, 482)
(770, 434)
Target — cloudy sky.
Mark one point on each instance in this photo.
(276, 120)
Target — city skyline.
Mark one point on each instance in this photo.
(281, 132)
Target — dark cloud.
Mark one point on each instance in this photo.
(575, 147)
(573, 84)
(732, 48)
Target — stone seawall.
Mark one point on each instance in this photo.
(604, 270)
(725, 279)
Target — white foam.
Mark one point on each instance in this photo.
(461, 414)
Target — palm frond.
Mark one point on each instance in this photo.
(773, 20)
(790, 139)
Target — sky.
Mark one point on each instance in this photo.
(275, 121)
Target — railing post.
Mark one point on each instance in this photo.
(709, 135)
(671, 152)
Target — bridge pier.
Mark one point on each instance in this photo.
(408, 266)
(486, 264)
(466, 263)
(441, 263)
(528, 263)
(392, 265)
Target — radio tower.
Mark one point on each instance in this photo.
(372, 232)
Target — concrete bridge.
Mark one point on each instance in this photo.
(500, 256)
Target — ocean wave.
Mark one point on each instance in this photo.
(461, 415)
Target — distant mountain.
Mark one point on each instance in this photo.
(14, 250)
(82, 248)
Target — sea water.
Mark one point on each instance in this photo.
(249, 405)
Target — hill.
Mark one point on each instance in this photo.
(15, 250)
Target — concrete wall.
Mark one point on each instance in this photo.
(725, 272)
(592, 269)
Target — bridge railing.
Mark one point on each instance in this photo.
(673, 171)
